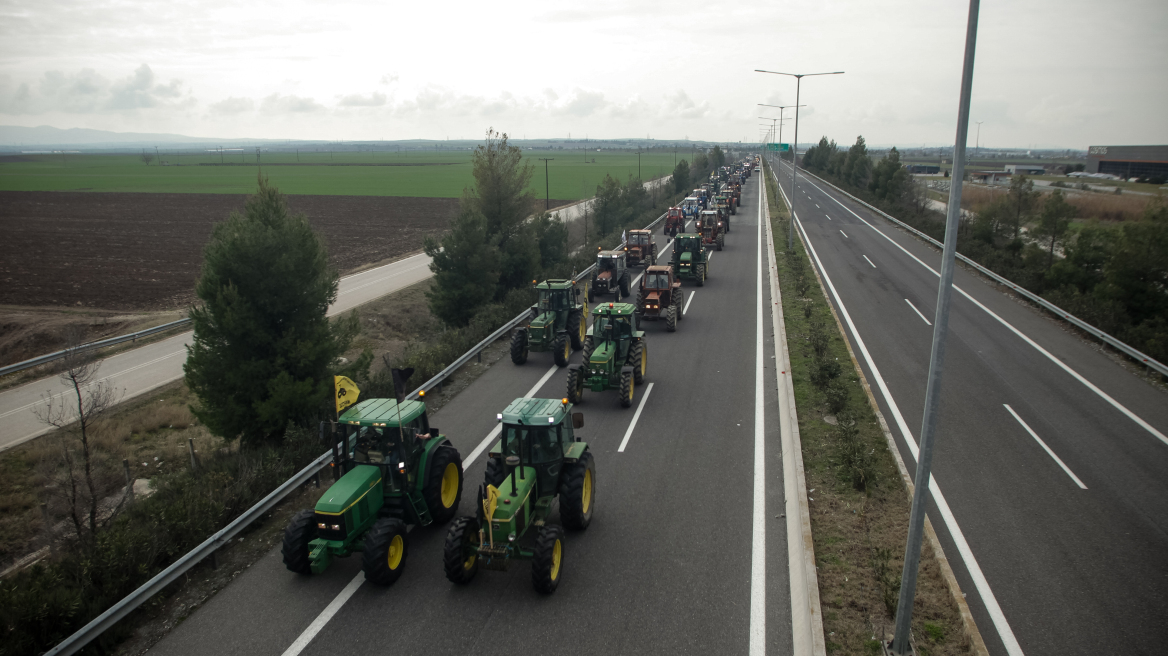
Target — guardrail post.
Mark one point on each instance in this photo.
(129, 480)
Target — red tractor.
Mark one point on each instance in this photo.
(712, 229)
(641, 248)
(674, 221)
(660, 296)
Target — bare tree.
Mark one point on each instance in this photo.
(147, 158)
(75, 412)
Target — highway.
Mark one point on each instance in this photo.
(669, 562)
(1049, 491)
(140, 370)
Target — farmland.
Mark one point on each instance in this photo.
(573, 174)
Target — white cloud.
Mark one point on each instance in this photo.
(278, 104)
(374, 99)
(88, 92)
(232, 105)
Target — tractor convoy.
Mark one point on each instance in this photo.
(392, 469)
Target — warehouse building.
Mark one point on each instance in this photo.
(1129, 161)
(1028, 169)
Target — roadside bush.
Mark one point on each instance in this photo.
(824, 370)
(856, 462)
(836, 394)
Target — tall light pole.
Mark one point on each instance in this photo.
(977, 144)
(547, 201)
(795, 154)
(781, 108)
(912, 549)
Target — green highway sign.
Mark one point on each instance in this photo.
(779, 147)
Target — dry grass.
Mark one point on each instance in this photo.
(1090, 205)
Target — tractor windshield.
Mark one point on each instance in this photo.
(540, 443)
(656, 280)
(553, 300)
(639, 239)
(605, 264)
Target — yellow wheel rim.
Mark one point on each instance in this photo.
(583, 328)
(557, 553)
(587, 494)
(397, 548)
(644, 359)
(469, 562)
(632, 384)
(567, 350)
(449, 485)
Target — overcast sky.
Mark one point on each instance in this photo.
(1052, 74)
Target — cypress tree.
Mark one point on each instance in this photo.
(263, 345)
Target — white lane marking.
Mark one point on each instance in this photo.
(818, 207)
(975, 573)
(757, 644)
(636, 416)
(687, 302)
(1045, 447)
(869, 261)
(918, 312)
(478, 450)
(1062, 365)
(828, 217)
(324, 617)
(844, 234)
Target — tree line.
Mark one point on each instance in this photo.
(1113, 275)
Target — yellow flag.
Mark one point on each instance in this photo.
(489, 505)
(347, 393)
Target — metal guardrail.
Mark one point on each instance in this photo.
(1118, 345)
(27, 364)
(78, 640)
(125, 606)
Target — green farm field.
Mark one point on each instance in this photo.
(574, 174)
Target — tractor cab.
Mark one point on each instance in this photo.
(690, 206)
(379, 432)
(639, 238)
(614, 324)
(611, 274)
(555, 296)
(534, 430)
(657, 279)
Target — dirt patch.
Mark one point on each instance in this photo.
(28, 332)
(133, 252)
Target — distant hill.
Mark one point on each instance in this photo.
(45, 135)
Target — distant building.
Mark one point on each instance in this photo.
(989, 177)
(1129, 161)
(1028, 169)
(922, 168)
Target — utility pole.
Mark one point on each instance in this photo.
(912, 549)
(977, 143)
(546, 185)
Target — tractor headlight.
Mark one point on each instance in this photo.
(336, 527)
(322, 526)
(511, 538)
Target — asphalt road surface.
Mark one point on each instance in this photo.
(143, 369)
(1050, 456)
(664, 568)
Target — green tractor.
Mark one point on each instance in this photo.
(615, 354)
(395, 469)
(690, 258)
(558, 325)
(537, 459)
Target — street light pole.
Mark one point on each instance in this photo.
(547, 202)
(977, 144)
(916, 522)
(795, 154)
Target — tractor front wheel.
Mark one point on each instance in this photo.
(677, 305)
(443, 488)
(624, 285)
(496, 472)
(578, 493)
(519, 346)
(721, 241)
(626, 390)
(575, 386)
(588, 294)
(577, 329)
(301, 530)
(700, 274)
(587, 355)
(562, 350)
(671, 319)
(460, 555)
(639, 361)
(385, 553)
(547, 565)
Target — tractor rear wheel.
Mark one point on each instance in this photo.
(677, 305)
(562, 350)
(496, 472)
(578, 493)
(624, 284)
(587, 349)
(626, 390)
(547, 565)
(700, 274)
(671, 319)
(385, 553)
(443, 488)
(519, 346)
(575, 386)
(460, 554)
(577, 329)
(639, 361)
(301, 530)
(721, 242)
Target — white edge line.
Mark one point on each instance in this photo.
(1045, 447)
(918, 312)
(636, 416)
(979, 580)
(757, 643)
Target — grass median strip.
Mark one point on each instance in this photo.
(858, 506)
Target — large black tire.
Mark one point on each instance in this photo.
(301, 530)
(386, 548)
(547, 565)
(458, 558)
(519, 346)
(677, 298)
(587, 348)
(575, 386)
(443, 490)
(562, 350)
(721, 241)
(624, 285)
(671, 319)
(733, 208)
(578, 493)
(589, 292)
(639, 361)
(700, 274)
(627, 389)
(577, 327)
(496, 472)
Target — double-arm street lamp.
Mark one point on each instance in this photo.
(795, 155)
